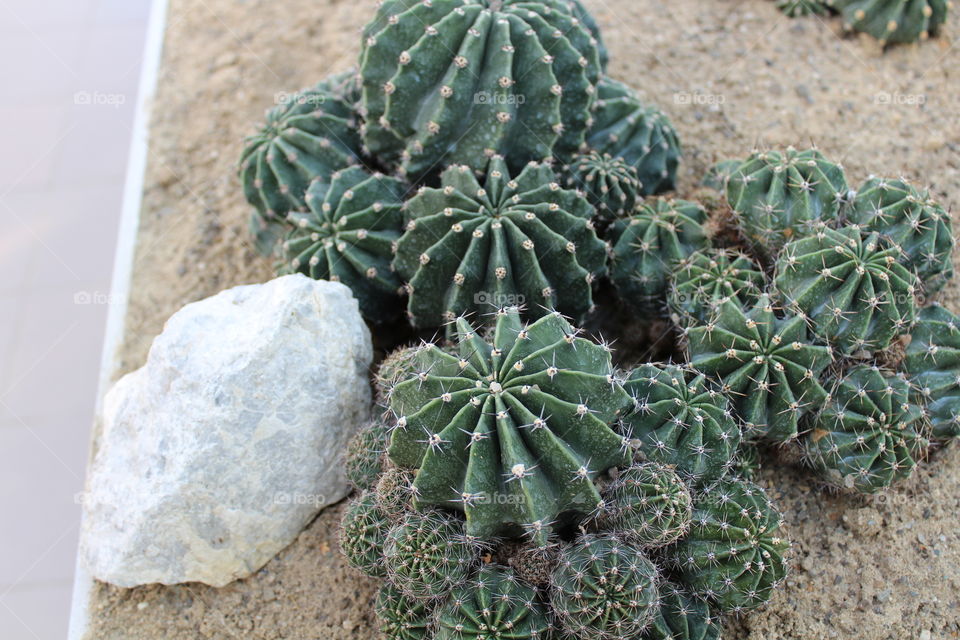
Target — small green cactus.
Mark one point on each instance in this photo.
(363, 531)
(604, 589)
(396, 367)
(779, 196)
(747, 462)
(851, 287)
(719, 173)
(913, 222)
(610, 183)
(706, 279)
(648, 504)
(493, 604)
(735, 552)
(642, 136)
(682, 616)
(402, 617)
(767, 365)
(348, 236)
(309, 134)
(524, 241)
(395, 491)
(894, 21)
(650, 244)
(427, 553)
(869, 434)
(682, 421)
(365, 455)
(511, 430)
(932, 364)
(796, 8)
(448, 82)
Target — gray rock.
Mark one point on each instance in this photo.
(217, 453)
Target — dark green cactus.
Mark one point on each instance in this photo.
(932, 363)
(472, 248)
(779, 196)
(682, 616)
(851, 287)
(650, 244)
(700, 283)
(767, 365)
(451, 81)
(309, 134)
(348, 236)
(894, 21)
(493, 604)
(795, 8)
(648, 504)
(913, 222)
(869, 434)
(747, 462)
(365, 455)
(363, 531)
(511, 430)
(719, 173)
(610, 183)
(735, 552)
(682, 421)
(426, 554)
(642, 136)
(604, 589)
(402, 617)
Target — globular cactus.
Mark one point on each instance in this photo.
(348, 236)
(894, 21)
(611, 185)
(719, 173)
(869, 434)
(523, 241)
(511, 430)
(395, 491)
(703, 281)
(648, 504)
(365, 455)
(363, 532)
(682, 616)
(402, 617)
(309, 134)
(932, 364)
(641, 135)
(451, 81)
(604, 589)
(795, 8)
(735, 552)
(851, 287)
(779, 196)
(650, 244)
(493, 604)
(768, 365)
(681, 420)
(913, 222)
(747, 462)
(427, 553)
(396, 367)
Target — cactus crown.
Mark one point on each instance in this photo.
(648, 504)
(706, 279)
(611, 185)
(894, 21)
(932, 363)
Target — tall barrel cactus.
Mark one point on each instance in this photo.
(932, 363)
(894, 21)
(451, 81)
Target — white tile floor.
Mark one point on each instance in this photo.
(68, 78)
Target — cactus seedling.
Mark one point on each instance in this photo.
(795, 8)
(682, 616)
(894, 21)
(362, 534)
(681, 420)
(610, 183)
(395, 491)
(526, 241)
(767, 365)
(869, 434)
(850, 286)
(402, 617)
(735, 552)
(365, 454)
(932, 364)
(703, 281)
(511, 430)
(604, 589)
(648, 504)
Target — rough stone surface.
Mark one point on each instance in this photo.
(222, 448)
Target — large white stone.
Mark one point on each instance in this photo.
(217, 453)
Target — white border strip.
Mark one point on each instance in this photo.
(123, 262)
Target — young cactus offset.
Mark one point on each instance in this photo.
(610, 183)
(795, 8)
(363, 531)
(648, 504)
(682, 421)
(778, 196)
(642, 136)
(735, 552)
(869, 434)
(682, 616)
(402, 617)
(706, 279)
(348, 236)
(767, 365)
(851, 287)
(310, 134)
(894, 21)
(365, 455)
(451, 81)
(511, 430)
(932, 364)
(524, 241)
(719, 173)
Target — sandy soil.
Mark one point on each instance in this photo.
(732, 74)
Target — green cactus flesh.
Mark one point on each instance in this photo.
(894, 21)
(365, 455)
(735, 552)
(682, 421)
(795, 8)
(778, 196)
(719, 173)
(648, 504)
(450, 81)
(850, 286)
(706, 279)
(472, 248)
(426, 554)
(869, 434)
(610, 183)
(682, 616)
(513, 430)
(767, 365)
(400, 616)
(642, 136)
(363, 531)
(932, 363)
